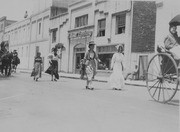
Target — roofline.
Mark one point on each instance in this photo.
(75, 3)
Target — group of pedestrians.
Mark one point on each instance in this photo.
(88, 67)
(53, 65)
(88, 64)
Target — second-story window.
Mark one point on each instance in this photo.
(120, 23)
(101, 27)
(81, 21)
(39, 28)
(54, 32)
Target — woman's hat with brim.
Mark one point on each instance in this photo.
(91, 43)
(120, 45)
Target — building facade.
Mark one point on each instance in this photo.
(59, 25)
(105, 22)
(4, 23)
(109, 23)
(29, 37)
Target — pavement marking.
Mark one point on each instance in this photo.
(11, 97)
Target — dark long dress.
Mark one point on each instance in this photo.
(53, 68)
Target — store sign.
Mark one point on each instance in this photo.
(81, 34)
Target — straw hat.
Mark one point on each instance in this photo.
(91, 43)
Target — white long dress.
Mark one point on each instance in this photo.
(116, 79)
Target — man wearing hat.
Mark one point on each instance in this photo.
(91, 58)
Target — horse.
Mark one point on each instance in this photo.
(6, 61)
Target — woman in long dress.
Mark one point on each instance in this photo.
(53, 68)
(91, 58)
(37, 66)
(117, 64)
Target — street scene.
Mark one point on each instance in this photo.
(89, 66)
(45, 106)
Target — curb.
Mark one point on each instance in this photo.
(97, 80)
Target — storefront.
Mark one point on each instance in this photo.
(105, 54)
(78, 41)
(79, 51)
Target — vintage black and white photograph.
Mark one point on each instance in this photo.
(89, 65)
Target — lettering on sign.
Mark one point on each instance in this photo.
(81, 34)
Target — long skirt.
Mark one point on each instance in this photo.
(53, 69)
(116, 79)
(37, 69)
(91, 69)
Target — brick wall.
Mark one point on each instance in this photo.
(143, 28)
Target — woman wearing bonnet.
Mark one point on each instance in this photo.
(117, 65)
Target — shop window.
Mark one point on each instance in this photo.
(120, 23)
(106, 59)
(105, 54)
(101, 27)
(81, 21)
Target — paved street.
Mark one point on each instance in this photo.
(65, 106)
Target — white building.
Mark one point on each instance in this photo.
(4, 23)
(109, 23)
(29, 37)
(106, 22)
(59, 25)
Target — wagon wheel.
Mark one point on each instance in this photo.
(162, 77)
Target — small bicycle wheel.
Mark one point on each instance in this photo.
(162, 77)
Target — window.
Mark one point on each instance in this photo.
(81, 21)
(27, 50)
(37, 50)
(39, 28)
(22, 52)
(101, 27)
(105, 54)
(120, 23)
(54, 35)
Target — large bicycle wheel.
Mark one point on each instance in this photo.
(162, 77)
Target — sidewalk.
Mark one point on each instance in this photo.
(97, 78)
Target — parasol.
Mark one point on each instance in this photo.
(59, 45)
(175, 21)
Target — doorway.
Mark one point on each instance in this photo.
(79, 53)
(79, 56)
(143, 63)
